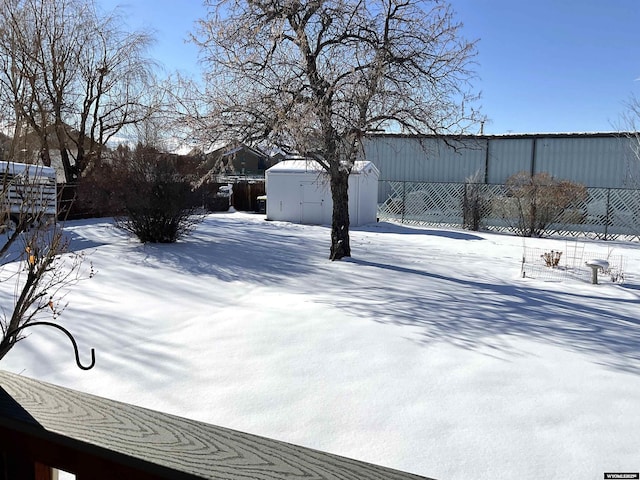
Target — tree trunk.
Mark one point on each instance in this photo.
(340, 246)
(5, 346)
(70, 171)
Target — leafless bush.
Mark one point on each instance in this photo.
(534, 202)
(160, 204)
(475, 203)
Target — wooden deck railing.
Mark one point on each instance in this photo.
(43, 426)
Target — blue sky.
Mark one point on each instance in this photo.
(543, 65)
(554, 65)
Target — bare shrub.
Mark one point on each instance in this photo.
(160, 204)
(535, 202)
(35, 261)
(475, 204)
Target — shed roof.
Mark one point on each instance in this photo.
(308, 165)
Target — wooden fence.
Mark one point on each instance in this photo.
(45, 427)
(246, 193)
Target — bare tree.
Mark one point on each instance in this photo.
(314, 76)
(631, 131)
(72, 76)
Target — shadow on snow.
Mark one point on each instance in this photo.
(384, 227)
(465, 312)
(259, 253)
(478, 312)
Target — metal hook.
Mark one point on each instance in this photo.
(68, 334)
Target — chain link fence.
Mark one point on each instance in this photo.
(605, 213)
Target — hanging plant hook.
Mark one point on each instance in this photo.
(68, 334)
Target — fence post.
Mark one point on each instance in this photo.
(404, 199)
(465, 205)
(607, 219)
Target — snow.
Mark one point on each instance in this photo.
(426, 352)
(309, 165)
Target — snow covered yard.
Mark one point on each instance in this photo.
(425, 352)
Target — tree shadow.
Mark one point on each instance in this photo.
(91, 233)
(259, 253)
(78, 243)
(479, 312)
(469, 313)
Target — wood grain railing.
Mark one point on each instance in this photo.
(43, 426)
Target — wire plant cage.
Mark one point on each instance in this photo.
(570, 263)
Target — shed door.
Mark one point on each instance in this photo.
(311, 203)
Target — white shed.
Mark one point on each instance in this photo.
(298, 191)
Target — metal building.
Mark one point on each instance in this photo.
(602, 160)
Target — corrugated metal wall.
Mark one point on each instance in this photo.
(508, 156)
(424, 159)
(594, 160)
(427, 159)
